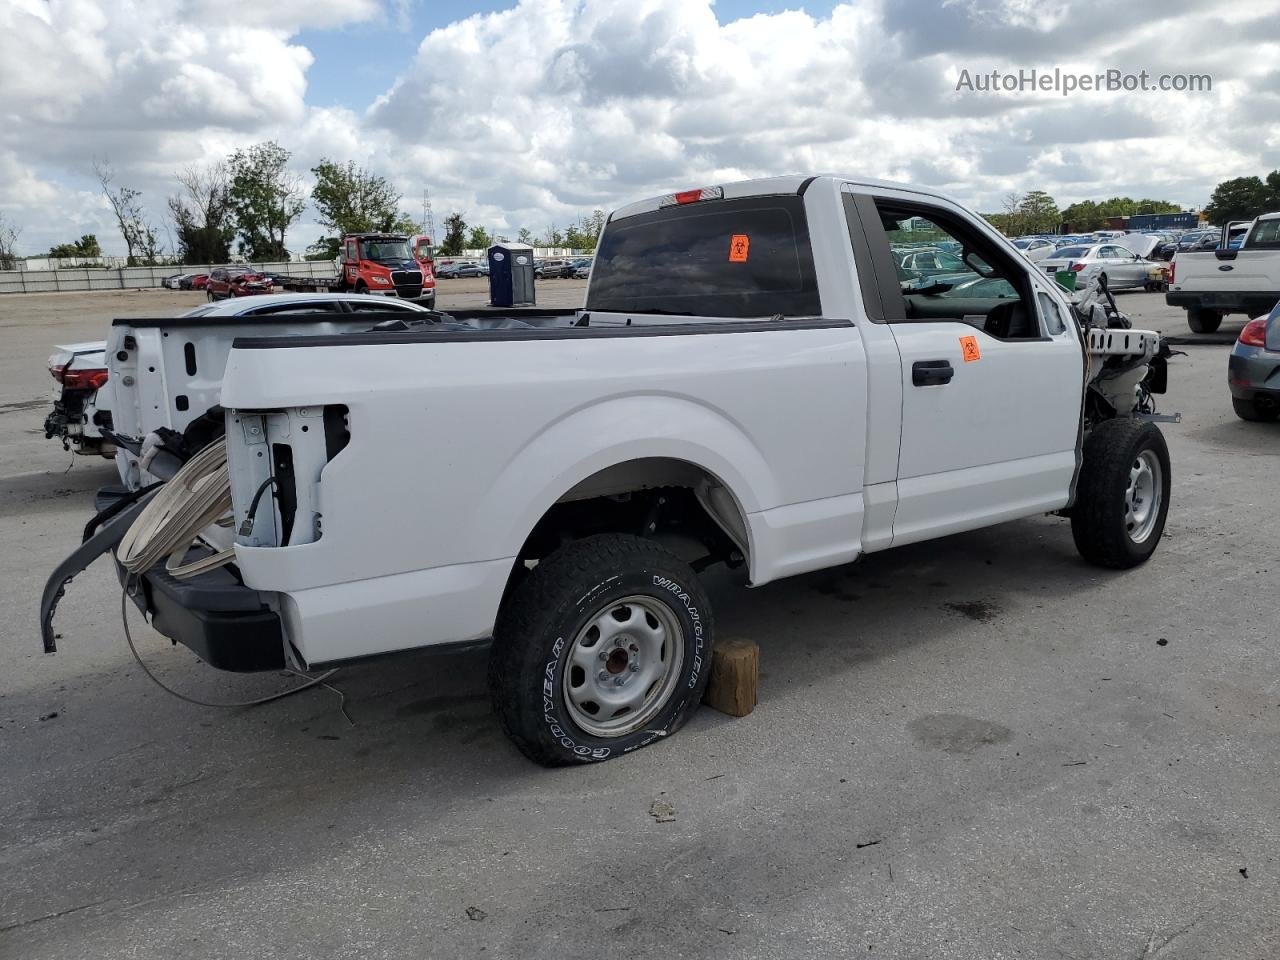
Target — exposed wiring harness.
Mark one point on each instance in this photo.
(195, 497)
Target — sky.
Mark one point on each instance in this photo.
(531, 113)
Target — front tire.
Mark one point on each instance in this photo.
(1122, 498)
(1201, 320)
(603, 648)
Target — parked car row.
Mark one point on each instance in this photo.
(457, 269)
(185, 281)
(562, 268)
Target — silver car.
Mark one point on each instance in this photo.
(1253, 370)
(1121, 267)
(1035, 249)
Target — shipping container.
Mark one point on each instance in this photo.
(1164, 221)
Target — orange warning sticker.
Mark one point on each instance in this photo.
(739, 245)
(969, 349)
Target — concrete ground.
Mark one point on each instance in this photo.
(978, 747)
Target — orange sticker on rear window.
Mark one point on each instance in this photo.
(969, 349)
(739, 245)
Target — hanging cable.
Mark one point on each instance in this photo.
(311, 681)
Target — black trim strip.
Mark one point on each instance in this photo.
(374, 316)
(893, 303)
(429, 335)
(863, 261)
(805, 186)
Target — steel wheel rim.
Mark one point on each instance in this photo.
(1142, 496)
(623, 666)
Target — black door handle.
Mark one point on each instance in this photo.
(931, 373)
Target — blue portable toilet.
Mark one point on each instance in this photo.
(511, 275)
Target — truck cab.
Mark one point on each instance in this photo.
(382, 263)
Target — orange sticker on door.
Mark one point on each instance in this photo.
(969, 349)
(739, 245)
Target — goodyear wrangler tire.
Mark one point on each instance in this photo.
(602, 649)
(1122, 498)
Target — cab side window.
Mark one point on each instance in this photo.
(942, 270)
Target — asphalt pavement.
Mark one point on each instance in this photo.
(978, 747)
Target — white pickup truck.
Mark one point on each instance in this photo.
(1219, 282)
(750, 382)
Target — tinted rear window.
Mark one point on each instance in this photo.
(1072, 252)
(694, 260)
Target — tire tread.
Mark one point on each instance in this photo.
(1097, 518)
(529, 611)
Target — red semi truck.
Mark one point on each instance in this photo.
(383, 264)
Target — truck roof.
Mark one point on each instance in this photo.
(792, 183)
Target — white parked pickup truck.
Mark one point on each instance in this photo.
(1219, 282)
(750, 382)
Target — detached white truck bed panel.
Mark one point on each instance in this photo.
(754, 380)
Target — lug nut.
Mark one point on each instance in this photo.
(604, 675)
(633, 666)
(604, 655)
(617, 681)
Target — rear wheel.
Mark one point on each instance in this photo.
(1122, 498)
(602, 649)
(1201, 320)
(1249, 410)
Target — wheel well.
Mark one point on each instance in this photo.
(674, 502)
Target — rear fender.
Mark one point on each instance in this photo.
(593, 438)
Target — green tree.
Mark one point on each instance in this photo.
(203, 214)
(1038, 213)
(351, 199)
(86, 246)
(267, 199)
(478, 239)
(525, 236)
(552, 238)
(584, 234)
(1243, 198)
(455, 233)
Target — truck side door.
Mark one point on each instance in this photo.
(992, 374)
(351, 261)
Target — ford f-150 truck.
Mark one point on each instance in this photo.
(750, 382)
(1220, 282)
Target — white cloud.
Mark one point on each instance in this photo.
(541, 112)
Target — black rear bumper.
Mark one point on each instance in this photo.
(1254, 303)
(225, 623)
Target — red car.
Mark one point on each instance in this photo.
(199, 281)
(227, 282)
